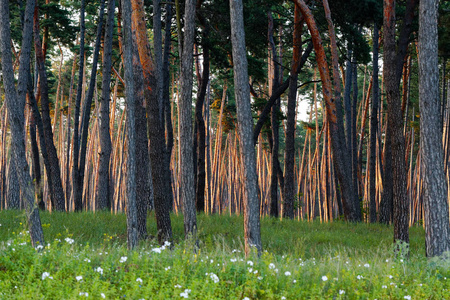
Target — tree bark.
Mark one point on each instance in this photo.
(185, 107)
(103, 199)
(373, 129)
(437, 230)
(57, 192)
(252, 227)
(13, 190)
(132, 230)
(159, 165)
(289, 154)
(15, 102)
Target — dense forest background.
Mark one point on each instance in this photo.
(354, 152)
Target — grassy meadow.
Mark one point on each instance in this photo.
(86, 257)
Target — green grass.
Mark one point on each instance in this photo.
(355, 258)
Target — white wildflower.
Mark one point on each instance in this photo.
(78, 278)
(341, 292)
(250, 270)
(384, 287)
(250, 263)
(99, 270)
(87, 260)
(214, 277)
(69, 240)
(233, 259)
(123, 259)
(408, 297)
(45, 275)
(366, 265)
(139, 280)
(178, 286)
(103, 295)
(39, 247)
(83, 294)
(271, 266)
(168, 268)
(359, 277)
(324, 278)
(260, 278)
(287, 273)
(157, 250)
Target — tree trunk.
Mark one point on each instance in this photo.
(158, 156)
(57, 192)
(132, 230)
(87, 106)
(103, 199)
(13, 190)
(252, 227)
(185, 107)
(437, 231)
(373, 130)
(392, 82)
(36, 166)
(76, 189)
(15, 102)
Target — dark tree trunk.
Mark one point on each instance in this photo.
(76, 190)
(87, 108)
(252, 227)
(144, 193)
(36, 166)
(158, 156)
(437, 230)
(274, 78)
(185, 109)
(200, 122)
(103, 199)
(57, 192)
(347, 98)
(373, 130)
(15, 102)
(132, 226)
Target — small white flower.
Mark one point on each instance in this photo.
(387, 260)
(45, 275)
(99, 270)
(214, 277)
(83, 294)
(178, 286)
(69, 240)
(166, 243)
(39, 247)
(359, 277)
(408, 297)
(212, 261)
(294, 281)
(123, 259)
(287, 273)
(255, 272)
(283, 298)
(384, 287)
(250, 263)
(185, 294)
(401, 260)
(271, 266)
(276, 270)
(341, 292)
(324, 278)
(246, 298)
(157, 250)
(103, 295)
(366, 265)
(87, 260)
(78, 278)
(168, 268)
(139, 280)
(260, 278)
(250, 270)
(390, 276)
(234, 251)
(233, 259)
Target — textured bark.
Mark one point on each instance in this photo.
(57, 192)
(36, 166)
(200, 122)
(392, 83)
(274, 83)
(157, 44)
(185, 109)
(103, 197)
(76, 190)
(437, 231)
(144, 192)
(166, 83)
(289, 154)
(373, 130)
(87, 107)
(159, 165)
(347, 98)
(15, 102)
(132, 230)
(252, 227)
(13, 190)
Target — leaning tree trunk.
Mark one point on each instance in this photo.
(437, 237)
(13, 190)
(252, 227)
(15, 103)
(185, 109)
(103, 198)
(132, 230)
(57, 192)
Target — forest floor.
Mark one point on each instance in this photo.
(86, 256)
